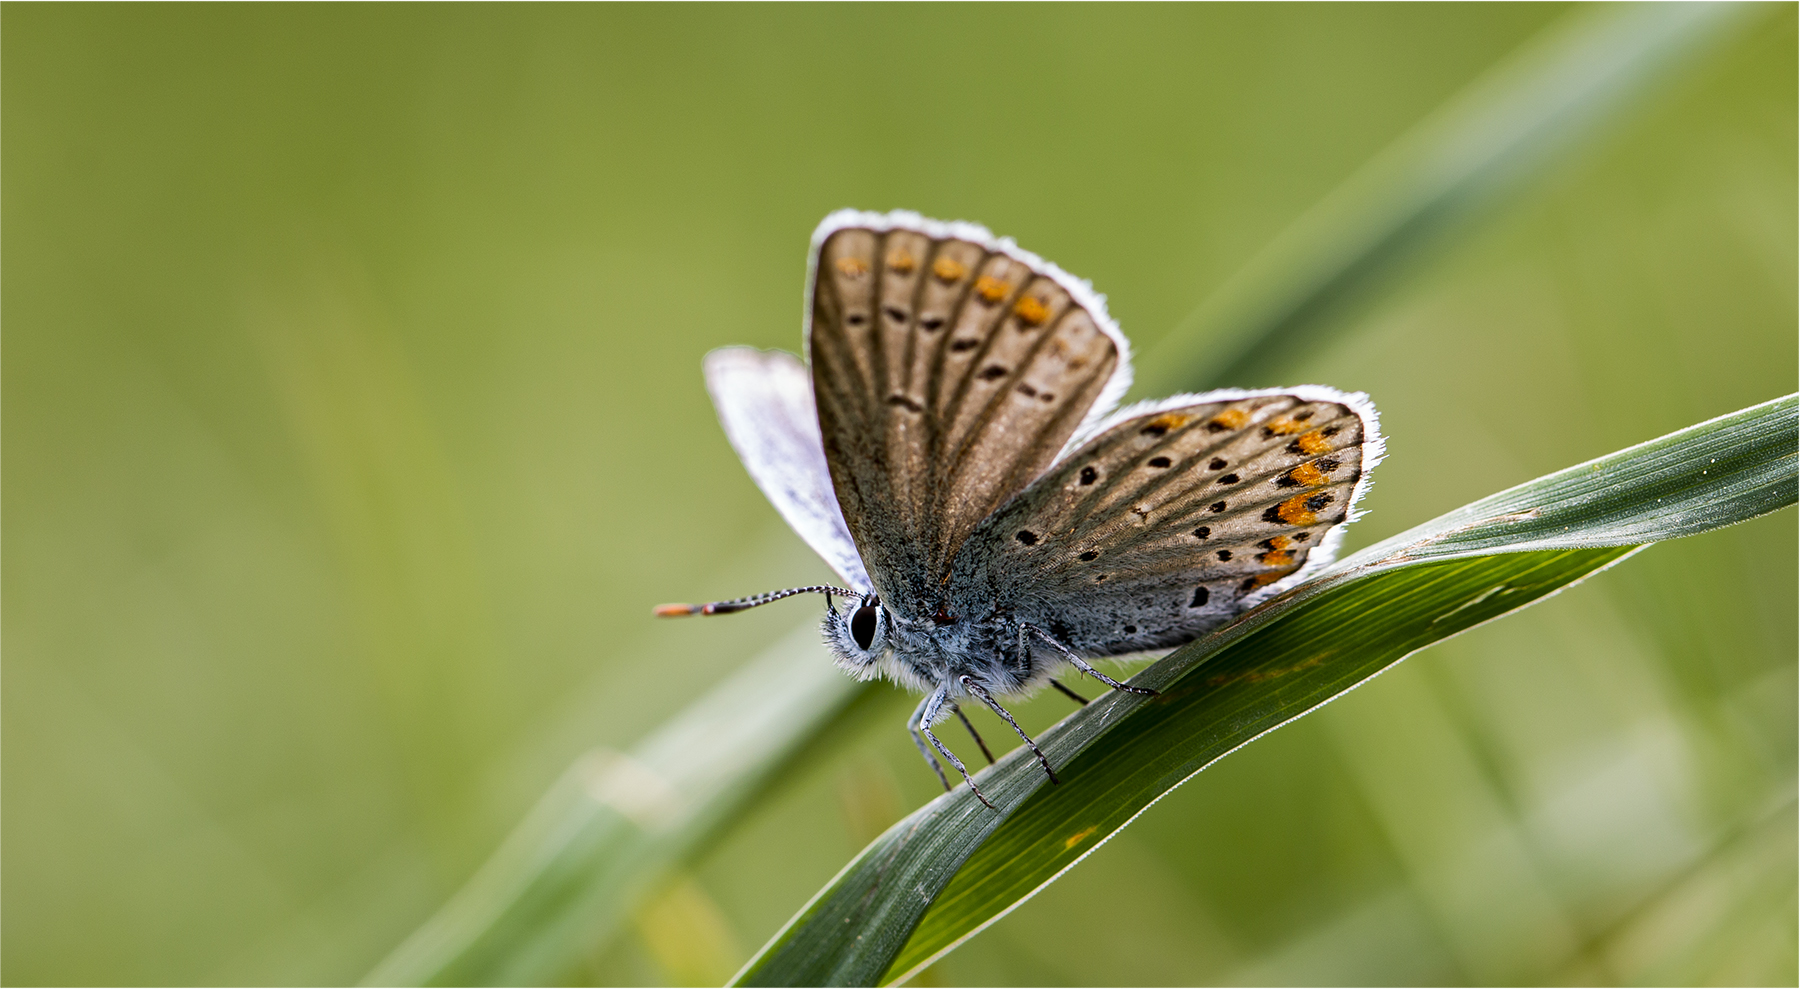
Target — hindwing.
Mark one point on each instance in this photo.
(1174, 517)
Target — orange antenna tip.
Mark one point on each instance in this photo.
(677, 610)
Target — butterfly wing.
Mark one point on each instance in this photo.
(1174, 517)
(949, 369)
(765, 403)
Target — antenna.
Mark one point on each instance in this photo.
(754, 600)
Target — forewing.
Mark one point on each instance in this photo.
(950, 369)
(1175, 517)
(765, 402)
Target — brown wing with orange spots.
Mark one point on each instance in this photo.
(1171, 520)
(949, 369)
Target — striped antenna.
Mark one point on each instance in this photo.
(727, 607)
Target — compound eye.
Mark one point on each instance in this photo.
(862, 625)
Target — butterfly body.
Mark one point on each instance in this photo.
(951, 448)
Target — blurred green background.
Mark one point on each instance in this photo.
(352, 422)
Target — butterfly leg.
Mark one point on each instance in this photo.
(1070, 694)
(912, 728)
(972, 732)
(1025, 650)
(987, 698)
(1082, 664)
(928, 713)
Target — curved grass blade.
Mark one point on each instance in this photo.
(614, 822)
(1555, 94)
(1320, 650)
(953, 867)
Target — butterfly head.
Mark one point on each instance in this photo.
(859, 636)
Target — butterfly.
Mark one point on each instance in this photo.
(950, 447)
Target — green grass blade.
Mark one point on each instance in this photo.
(1552, 97)
(1708, 475)
(615, 821)
(953, 866)
(1323, 648)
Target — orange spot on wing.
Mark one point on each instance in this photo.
(1031, 311)
(851, 267)
(901, 262)
(1308, 474)
(1313, 442)
(1294, 511)
(948, 269)
(1265, 579)
(1282, 427)
(990, 289)
(1078, 837)
(1230, 419)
